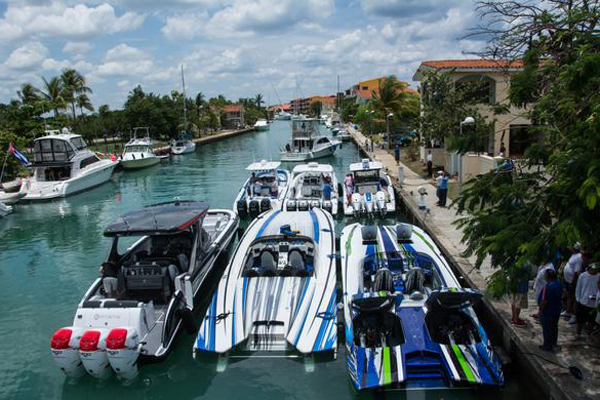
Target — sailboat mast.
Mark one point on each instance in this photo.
(184, 100)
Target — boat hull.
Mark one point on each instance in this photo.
(311, 155)
(179, 150)
(140, 162)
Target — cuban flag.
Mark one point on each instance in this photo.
(20, 157)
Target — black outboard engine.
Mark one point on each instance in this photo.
(242, 208)
(253, 208)
(327, 206)
(265, 205)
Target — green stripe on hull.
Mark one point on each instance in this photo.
(463, 363)
(387, 366)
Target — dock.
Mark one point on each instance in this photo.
(209, 138)
(521, 343)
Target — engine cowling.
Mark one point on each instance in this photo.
(380, 199)
(123, 350)
(92, 350)
(369, 203)
(65, 351)
(357, 203)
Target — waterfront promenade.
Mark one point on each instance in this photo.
(555, 382)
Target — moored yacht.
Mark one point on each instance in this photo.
(138, 152)
(261, 125)
(313, 185)
(148, 291)
(278, 293)
(183, 144)
(409, 324)
(307, 142)
(283, 115)
(63, 165)
(264, 190)
(372, 193)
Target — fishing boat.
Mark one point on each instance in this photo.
(278, 293)
(409, 324)
(183, 144)
(261, 125)
(148, 291)
(138, 152)
(313, 185)
(307, 142)
(372, 193)
(264, 190)
(63, 165)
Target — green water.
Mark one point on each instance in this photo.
(50, 253)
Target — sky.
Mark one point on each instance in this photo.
(282, 49)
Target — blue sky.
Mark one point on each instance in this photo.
(232, 47)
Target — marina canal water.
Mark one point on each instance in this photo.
(50, 253)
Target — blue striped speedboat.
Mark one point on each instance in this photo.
(408, 322)
(278, 292)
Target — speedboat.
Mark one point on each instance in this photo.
(158, 280)
(183, 144)
(277, 296)
(4, 210)
(409, 324)
(283, 115)
(12, 192)
(138, 152)
(264, 190)
(261, 125)
(343, 135)
(308, 188)
(63, 165)
(373, 193)
(307, 142)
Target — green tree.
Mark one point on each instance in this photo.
(315, 108)
(53, 94)
(258, 100)
(74, 84)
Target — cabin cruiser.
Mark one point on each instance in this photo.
(409, 324)
(307, 142)
(4, 210)
(278, 293)
(148, 291)
(261, 125)
(372, 193)
(63, 165)
(138, 152)
(264, 190)
(183, 144)
(313, 185)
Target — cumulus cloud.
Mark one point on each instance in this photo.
(124, 60)
(27, 57)
(77, 47)
(58, 20)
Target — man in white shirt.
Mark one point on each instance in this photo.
(429, 164)
(570, 275)
(585, 295)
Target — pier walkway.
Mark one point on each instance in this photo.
(521, 343)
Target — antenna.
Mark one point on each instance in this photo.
(184, 100)
(276, 94)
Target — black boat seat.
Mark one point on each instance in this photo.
(267, 261)
(296, 260)
(384, 281)
(146, 282)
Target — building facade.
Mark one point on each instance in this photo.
(233, 116)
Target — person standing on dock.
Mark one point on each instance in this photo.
(397, 153)
(570, 274)
(443, 188)
(550, 302)
(429, 164)
(585, 295)
(519, 286)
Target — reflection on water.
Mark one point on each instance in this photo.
(50, 253)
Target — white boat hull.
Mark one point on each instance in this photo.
(140, 162)
(4, 210)
(310, 155)
(179, 150)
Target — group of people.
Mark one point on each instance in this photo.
(256, 186)
(572, 291)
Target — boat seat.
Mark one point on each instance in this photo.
(268, 264)
(415, 281)
(146, 282)
(384, 281)
(296, 260)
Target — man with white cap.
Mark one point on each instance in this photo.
(585, 295)
(570, 275)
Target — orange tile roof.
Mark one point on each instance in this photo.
(232, 108)
(473, 64)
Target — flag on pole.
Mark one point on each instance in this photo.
(20, 157)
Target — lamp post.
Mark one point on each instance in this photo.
(387, 120)
(467, 121)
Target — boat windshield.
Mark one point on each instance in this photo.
(52, 151)
(79, 143)
(136, 148)
(370, 175)
(280, 256)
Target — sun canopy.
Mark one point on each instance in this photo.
(163, 218)
(365, 165)
(313, 167)
(263, 166)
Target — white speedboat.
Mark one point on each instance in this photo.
(278, 293)
(183, 144)
(261, 125)
(307, 142)
(4, 210)
(409, 324)
(283, 115)
(264, 190)
(372, 193)
(63, 165)
(313, 185)
(138, 152)
(148, 292)
(343, 135)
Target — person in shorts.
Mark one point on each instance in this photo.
(585, 295)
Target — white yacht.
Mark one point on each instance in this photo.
(283, 115)
(372, 193)
(307, 142)
(63, 165)
(313, 185)
(264, 190)
(138, 152)
(261, 125)
(183, 144)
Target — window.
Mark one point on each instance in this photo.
(52, 150)
(88, 161)
(365, 88)
(520, 139)
(79, 143)
(482, 88)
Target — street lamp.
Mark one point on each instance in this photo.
(467, 121)
(387, 120)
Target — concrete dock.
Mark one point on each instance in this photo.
(209, 138)
(521, 343)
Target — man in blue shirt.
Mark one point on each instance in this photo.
(550, 301)
(442, 182)
(327, 191)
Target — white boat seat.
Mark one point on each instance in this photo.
(296, 260)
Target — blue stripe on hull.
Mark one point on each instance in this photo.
(266, 224)
(315, 225)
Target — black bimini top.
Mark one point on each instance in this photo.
(163, 218)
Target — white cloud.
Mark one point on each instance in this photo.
(185, 26)
(27, 57)
(77, 47)
(58, 20)
(124, 60)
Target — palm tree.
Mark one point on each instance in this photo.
(28, 94)
(390, 98)
(83, 101)
(53, 94)
(73, 85)
(258, 100)
(200, 100)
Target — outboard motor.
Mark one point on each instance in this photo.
(265, 205)
(381, 206)
(253, 208)
(315, 204)
(291, 205)
(92, 350)
(65, 351)
(303, 205)
(242, 207)
(369, 203)
(357, 204)
(123, 349)
(328, 206)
